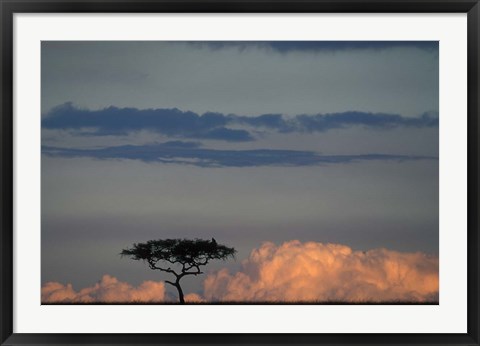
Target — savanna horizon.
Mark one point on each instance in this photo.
(290, 273)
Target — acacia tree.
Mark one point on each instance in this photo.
(186, 255)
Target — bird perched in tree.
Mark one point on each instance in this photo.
(214, 241)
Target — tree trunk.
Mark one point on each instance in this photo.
(180, 292)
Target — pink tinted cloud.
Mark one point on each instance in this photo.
(194, 298)
(108, 290)
(312, 271)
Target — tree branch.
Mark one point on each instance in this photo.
(168, 260)
(192, 273)
(153, 265)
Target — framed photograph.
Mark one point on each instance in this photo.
(214, 172)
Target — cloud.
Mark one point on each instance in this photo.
(316, 46)
(290, 272)
(107, 290)
(194, 298)
(121, 121)
(186, 124)
(313, 271)
(324, 122)
(191, 153)
(226, 134)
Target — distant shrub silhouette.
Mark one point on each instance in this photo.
(189, 254)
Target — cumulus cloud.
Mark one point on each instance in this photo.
(290, 272)
(194, 298)
(313, 271)
(108, 290)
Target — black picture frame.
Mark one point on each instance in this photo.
(10, 7)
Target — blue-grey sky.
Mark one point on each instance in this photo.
(333, 142)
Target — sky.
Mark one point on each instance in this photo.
(296, 153)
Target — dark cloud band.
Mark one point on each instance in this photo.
(186, 124)
(191, 153)
(325, 122)
(121, 121)
(313, 46)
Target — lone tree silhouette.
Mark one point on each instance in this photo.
(187, 254)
